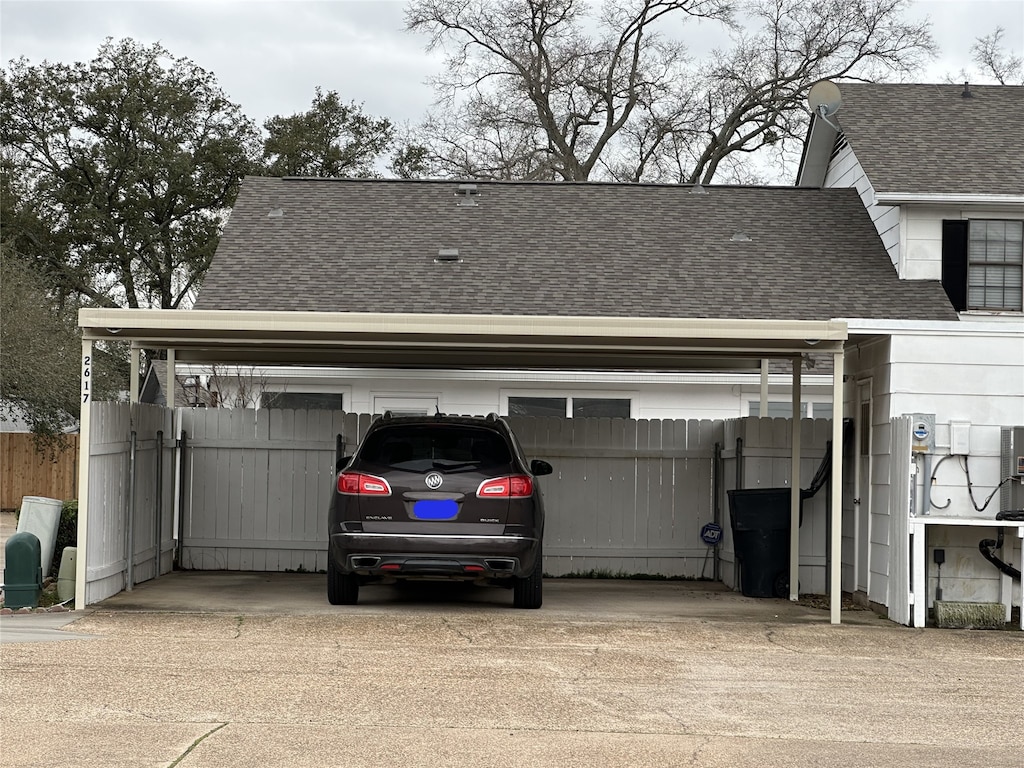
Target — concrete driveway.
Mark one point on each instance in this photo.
(257, 670)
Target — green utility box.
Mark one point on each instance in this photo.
(23, 575)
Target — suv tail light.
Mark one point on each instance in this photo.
(358, 484)
(511, 487)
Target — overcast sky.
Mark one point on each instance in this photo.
(269, 55)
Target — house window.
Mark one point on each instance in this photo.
(573, 407)
(983, 264)
(537, 406)
(779, 409)
(605, 407)
(303, 401)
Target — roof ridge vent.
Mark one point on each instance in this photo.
(698, 189)
(275, 213)
(448, 256)
(740, 237)
(467, 195)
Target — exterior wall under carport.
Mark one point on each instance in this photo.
(967, 373)
(627, 496)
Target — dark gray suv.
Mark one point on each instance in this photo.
(437, 497)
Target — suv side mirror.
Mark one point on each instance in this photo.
(540, 467)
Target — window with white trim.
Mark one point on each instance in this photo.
(983, 264)
(783, 409)
(570, 406)
(303, 401)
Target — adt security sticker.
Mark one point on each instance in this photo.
(711, 534)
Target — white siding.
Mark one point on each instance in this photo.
(977, 378)
(923, 234)
(673, 396)
(845, 171)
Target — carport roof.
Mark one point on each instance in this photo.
(558, 249)
(460, 341)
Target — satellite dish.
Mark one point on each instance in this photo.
(824, 98)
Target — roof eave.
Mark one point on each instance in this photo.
(896, 198)
(817, 152)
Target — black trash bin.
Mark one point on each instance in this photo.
(760, 534)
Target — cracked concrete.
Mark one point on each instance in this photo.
(606, 674)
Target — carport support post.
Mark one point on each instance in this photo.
(836, 545)
(84, 439)
(133, 382)
(171, 396)
(794, 484)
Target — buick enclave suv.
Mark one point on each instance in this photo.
(437, 497)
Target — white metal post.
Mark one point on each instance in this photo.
(172, 380)
(836, 545)
(794, 484)
(765, 363)
(133, 382)
(84, 439)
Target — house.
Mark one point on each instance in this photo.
(940, 171)
(415, 281)
(484, 213)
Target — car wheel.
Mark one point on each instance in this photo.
(528, 591)
(342, 588)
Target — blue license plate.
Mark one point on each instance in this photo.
(435, 509)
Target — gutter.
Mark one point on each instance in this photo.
(945, 198)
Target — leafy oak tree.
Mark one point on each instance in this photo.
(555, 89)
(331, 139)
(40, 353)
(122, 170)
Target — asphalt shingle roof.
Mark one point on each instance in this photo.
(930, 139)
(569, 249)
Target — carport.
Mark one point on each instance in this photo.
(481, 342)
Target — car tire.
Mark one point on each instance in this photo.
(528, 591)
(342, 588)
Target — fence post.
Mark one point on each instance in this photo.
(130, 533)
(182, 448)
(159, 499)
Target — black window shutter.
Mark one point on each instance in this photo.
(954, 262)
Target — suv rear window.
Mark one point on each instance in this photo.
(423, 447)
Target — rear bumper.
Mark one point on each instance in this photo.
(394, 555)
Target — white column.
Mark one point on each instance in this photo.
(794, 512)
(84, 434)
(836, 544)
(133, 382)
(765, 362)
(172, 380)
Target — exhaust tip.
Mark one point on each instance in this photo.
(365, 562)
(500, 565)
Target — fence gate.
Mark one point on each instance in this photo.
(130, 534)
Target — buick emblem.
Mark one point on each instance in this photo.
(434, 481)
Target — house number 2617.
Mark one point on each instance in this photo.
(86, 377)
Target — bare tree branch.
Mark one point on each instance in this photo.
(613, 95)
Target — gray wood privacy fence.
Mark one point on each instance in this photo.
(626, 497)
(131, 493)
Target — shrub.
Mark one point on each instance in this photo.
(67, 534)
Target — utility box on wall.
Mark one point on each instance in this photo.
(922, 427)
(1011, 465)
